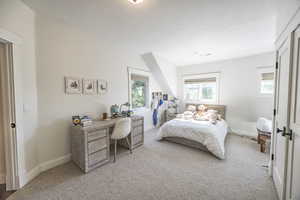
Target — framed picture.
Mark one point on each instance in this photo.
(102, 86)
(89, 86)
(165, 97)
(73, 85)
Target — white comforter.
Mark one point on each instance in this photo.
(210, 135)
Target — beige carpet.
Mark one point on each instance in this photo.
(162, 171)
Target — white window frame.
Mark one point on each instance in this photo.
(139, 72)
(203, 76)
(260, 71)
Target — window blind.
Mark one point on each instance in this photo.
(198, 81)
(267, 76)
(138, 77)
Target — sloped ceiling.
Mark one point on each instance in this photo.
(163, 71)
(180, 31)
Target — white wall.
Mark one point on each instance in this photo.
(239, 88)
(169, 72)
(286, 9)
(65, 50)
(164, 72)
(17, 18)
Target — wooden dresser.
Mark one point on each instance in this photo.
(90, 145)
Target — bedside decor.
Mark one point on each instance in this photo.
(89, 86)
(73, 85)
(102, 86)
(114, 111)
(76, 120)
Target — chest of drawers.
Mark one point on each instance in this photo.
(90, 146)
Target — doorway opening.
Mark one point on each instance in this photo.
(9, 179)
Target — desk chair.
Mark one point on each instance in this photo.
(121, 130)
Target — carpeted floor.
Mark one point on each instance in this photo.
(162, 171)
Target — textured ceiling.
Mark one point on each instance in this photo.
(180, 31)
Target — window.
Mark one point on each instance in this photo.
(267, 83)
(139, 91)
(203, 88)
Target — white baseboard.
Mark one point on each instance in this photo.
(31, 175)
(2, 178)
(55, 162)
(46, 166)
(244, 133)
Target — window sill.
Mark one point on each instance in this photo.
(265, 95)
(141, 110)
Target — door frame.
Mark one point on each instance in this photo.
(12, 87)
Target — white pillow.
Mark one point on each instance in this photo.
(186, 113)
(213, 111)
(191, 108)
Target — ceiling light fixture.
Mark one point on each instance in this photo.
(135, 1)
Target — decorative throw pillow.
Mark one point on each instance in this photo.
(202, 108)
(191, 108)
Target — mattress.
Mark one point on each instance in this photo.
(212, 136)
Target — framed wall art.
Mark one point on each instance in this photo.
(89, 86)
(73, 85)
(102, 86)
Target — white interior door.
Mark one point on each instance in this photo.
(293, 176)
(2, 149)
(7, 94)
(280, 143)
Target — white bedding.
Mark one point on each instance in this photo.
(212, 136)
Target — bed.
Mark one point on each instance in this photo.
(202, 135)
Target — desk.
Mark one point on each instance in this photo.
(90, 145)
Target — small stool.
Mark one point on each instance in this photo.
(262, 138)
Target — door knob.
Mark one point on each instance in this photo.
(281, 130)
(13, 125)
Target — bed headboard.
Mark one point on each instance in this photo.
(220, 108)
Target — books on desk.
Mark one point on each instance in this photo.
(87, 122)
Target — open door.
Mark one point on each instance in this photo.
(293, 176)
(281, 120)
(8, 108)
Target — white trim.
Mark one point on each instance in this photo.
(260, 71)
(10, 37)
(146, 74)
(46, 166)
(55, 162)
(13, 137)
(32, 174)
(216, 75)
(14, 148)
(291, 25)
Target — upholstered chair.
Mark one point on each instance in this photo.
(121, 131)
